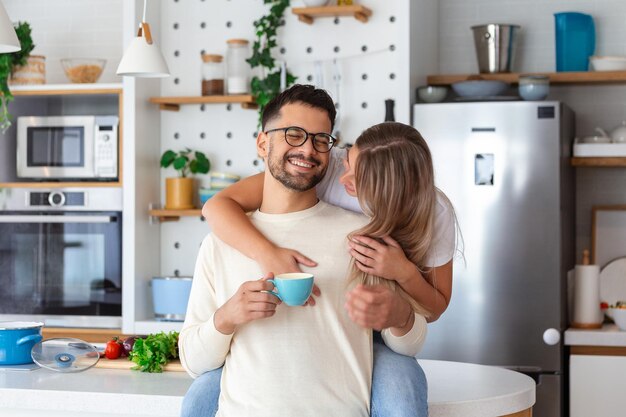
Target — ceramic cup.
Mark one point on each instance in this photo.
(293, 288)
(534, 87)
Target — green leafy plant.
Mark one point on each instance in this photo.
(154, 351)
(267, 87)
(186, 162)
(7, 63)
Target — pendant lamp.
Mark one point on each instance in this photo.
(142, 57)
(8, 37)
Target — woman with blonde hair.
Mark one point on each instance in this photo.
(402, 259)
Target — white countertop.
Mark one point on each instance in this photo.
(608, 335)
(455, 389)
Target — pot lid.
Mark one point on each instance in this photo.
(19, 325)
(65, 354)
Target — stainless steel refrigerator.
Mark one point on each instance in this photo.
(505, 167)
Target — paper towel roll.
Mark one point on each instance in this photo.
(587, 313)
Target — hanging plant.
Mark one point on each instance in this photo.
(7, 63)
(268, 86)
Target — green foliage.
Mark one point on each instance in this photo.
(153, 352)
(7, 63)
(186, 161)
(264, 89)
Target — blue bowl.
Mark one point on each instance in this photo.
(206, 193)
(479, 88)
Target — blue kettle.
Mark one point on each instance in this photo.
(575, 41)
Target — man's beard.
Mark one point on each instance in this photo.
(293, 182)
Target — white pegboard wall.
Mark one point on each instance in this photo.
(369, 59)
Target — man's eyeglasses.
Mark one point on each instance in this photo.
(296, 136)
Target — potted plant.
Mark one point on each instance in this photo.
(7, 63)
(179, 191)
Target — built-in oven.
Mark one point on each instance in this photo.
(67, 148)
(61, 256)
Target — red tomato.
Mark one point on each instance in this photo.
(604, 305)
(113, 349)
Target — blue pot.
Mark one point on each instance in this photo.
(17, 339)
(170, 296)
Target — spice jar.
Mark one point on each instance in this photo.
(212, 75)
(238, 70)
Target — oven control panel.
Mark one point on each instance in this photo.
(105, 151)
(56, 199)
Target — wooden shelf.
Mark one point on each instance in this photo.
(166, 215)
(309, 14)
(174, 103)
(59, 184)
(588, 77)
(65, 89)
(599, 162)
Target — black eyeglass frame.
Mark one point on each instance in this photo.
(333, 140)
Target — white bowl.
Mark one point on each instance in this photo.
(479, 88)
(608, 63)
(432, 93)
(619, 317)
(315, 3)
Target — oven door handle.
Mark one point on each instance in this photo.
(54, 219)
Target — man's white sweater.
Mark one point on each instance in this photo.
(303, 361)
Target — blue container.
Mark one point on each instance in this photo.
(575, 41)
(170, 296)
(17, 339)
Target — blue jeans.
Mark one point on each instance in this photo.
(399, 388)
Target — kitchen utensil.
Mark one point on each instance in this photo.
(432, 93)
(608, 63)
(83, 70)
(613, 282)
(65, 355)
(479, 88)
(587, 313)
(575, 41)
(600, 137)
(618, 134)
(495, 46)
(16, 340)
(534, 87)
(170, 296)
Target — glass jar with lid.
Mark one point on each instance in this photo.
(212, 75)
(237, 69)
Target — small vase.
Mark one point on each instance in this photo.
(34, 72)
(179, 193)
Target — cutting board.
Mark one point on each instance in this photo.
(125, 364)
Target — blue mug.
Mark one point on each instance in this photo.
(293, 288)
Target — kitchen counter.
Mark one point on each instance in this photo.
(608, 335)
(455, 389)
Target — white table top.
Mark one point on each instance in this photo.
(608, 335)
(455, 389)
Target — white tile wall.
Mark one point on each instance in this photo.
(603, 106)
(72, 29)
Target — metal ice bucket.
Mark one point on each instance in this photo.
(495, 47)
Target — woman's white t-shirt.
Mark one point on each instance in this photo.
(331, 191)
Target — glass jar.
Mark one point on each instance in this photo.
(212, 75)
(238, 70)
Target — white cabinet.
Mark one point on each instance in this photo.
(597, 385)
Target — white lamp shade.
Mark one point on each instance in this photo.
(8, 37)
(142, 59)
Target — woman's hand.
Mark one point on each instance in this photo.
(282, 260)
(383, 260)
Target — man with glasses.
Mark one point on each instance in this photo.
(281, 360)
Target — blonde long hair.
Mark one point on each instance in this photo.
(395, 186)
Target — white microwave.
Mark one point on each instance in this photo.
(67, 147)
